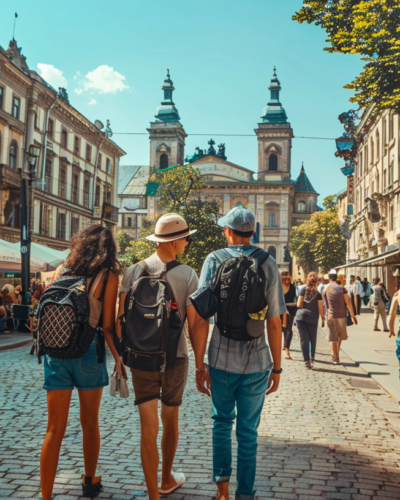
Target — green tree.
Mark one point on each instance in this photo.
(318, 243)
(179, 192)
(369, 28)
(330, 202)
(123, 240)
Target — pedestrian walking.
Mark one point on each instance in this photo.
(156, 351)
(93, 258)
(310, 308)
(243, 369)
(387, 299)
(366, 291)
(379, 299)
(358, 290)
(337, 300)
(289, 289)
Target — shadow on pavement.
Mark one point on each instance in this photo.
(303, 470)
(349, 374)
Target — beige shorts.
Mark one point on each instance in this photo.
(337, 329)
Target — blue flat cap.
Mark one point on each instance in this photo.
(239, 219)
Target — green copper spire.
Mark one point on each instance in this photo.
(273, 111)
(303, 184)
(167, 112)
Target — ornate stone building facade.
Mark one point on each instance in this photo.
(277, 201)
(77, 171)
(374, 217)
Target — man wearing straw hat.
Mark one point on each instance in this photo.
(173, 237)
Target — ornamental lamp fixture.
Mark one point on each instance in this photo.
(346, 147)
(34, 151)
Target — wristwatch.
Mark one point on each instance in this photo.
(277, 372)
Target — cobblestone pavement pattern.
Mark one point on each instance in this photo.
(330, 433)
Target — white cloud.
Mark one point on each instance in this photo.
(92, 101)
(77, 75)
(52, 75)
(78, 91)
(103, 80)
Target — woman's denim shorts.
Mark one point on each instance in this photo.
(84, 373)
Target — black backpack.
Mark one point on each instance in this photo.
(63, 319)
(151, 325)
(239, 287)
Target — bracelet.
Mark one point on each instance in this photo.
(204, 369)
(277, 372)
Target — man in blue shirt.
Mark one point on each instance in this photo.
(242, 372)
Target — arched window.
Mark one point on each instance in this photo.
(272, 251)
(273, 163)
(13, 154)
(271, 219)
(164, 161)
(301, 206)
(377, 145)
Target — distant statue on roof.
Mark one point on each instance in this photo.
(221, 151)
(63, 94)
(211, 150)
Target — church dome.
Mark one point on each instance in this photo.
(167, 112)
(273, 111)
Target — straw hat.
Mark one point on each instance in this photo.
(170, 227)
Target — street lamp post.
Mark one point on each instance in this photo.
(26, 228)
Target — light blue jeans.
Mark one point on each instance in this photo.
(241, 397)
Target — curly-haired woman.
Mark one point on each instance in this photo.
(93, 255)
(310, 308)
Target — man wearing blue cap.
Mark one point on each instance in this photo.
(242, 372)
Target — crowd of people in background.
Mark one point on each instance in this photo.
(10, 295)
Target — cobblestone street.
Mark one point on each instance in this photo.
(329, 433)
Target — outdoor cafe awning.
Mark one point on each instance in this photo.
(375, 261)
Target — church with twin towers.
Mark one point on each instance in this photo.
(278, 201)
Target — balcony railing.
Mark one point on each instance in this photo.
(62, 190)
(86, 199)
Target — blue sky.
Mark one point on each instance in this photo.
(112, 56)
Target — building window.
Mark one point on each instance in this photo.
(366, 159)
(50, 129)
(383, 180)
(46, 220)
(86, 192)
(391, 219)
(64, 137)
(77, 146)
(360, 165)
(391, 166)
(129, 220)
(62, 188)
(48, 178)
(301, 206)
(74, 225)
(107, 193)
(61, 233)
(390, 126)
(13, 154)
(99, 161)
(1, 97)
(372, 152)
(384, 134)
(15, 107)
(88, 153)
(377, 146)
(271, 219)
(97, 197)
(164, 161)
(108, 166)
(75, 188)
(272, 251)
(273, 163)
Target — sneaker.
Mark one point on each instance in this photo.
(307, 365)
(312, 363)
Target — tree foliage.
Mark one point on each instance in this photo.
(318, 243)
(369, 28)
(179, 192)
(123, 239)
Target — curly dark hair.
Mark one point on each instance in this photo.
(92, 250)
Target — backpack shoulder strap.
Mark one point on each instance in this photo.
(222, 255)
(261, 256)
(171, 265)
